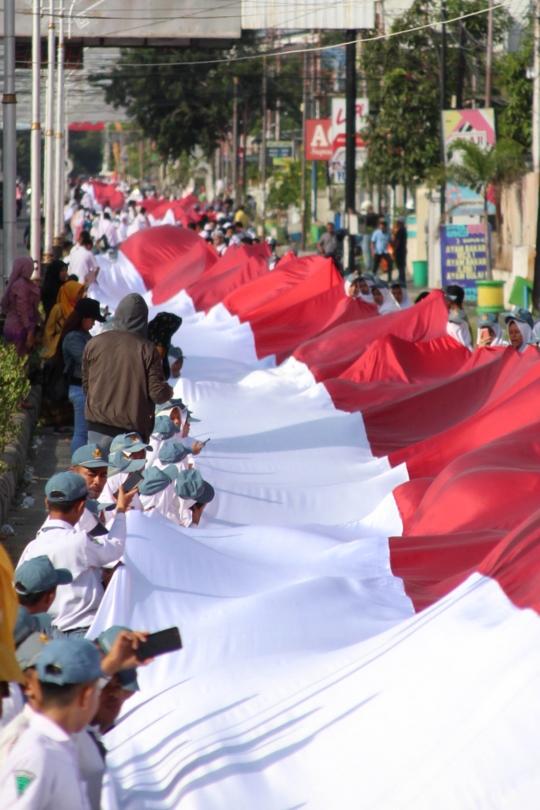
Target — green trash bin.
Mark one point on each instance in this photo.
(316, 233)
(420, 273)
(521, 294)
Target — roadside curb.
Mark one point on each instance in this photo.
(15, 454)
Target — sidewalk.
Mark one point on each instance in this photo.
(51, 456)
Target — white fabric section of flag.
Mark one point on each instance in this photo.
(286, 709)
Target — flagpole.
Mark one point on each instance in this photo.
(48, 184)
(59, 177)
(9, 150)
(35, 155)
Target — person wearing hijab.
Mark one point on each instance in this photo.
(458, 328)
(399, 291)
(352, 287)
(489, 331)
(365, 284)
(384, 299)
(160, 331)
(68, 295)
(520, 329)
(21, 301)
(55, 277)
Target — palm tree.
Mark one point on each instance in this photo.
(479, 169)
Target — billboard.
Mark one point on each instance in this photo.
(137, 22)
(302, 14)
(319, 145)
(339, 123)
(478, 126)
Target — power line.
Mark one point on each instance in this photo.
(282, 53)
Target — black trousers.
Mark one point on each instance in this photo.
(377, 260)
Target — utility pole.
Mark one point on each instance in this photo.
(442, 85)
(234, 150)
(9, 144)
(303, 164)
(460, 73)
(278, 102)
(536, 91)
(350, 139)
(48, 187)
(59, 158)
(536, 148)
(35, 143)
(489, 54)
(263, 144)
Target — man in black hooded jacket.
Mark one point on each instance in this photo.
(122, 376)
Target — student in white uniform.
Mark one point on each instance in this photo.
(75, 605)
(82, 262)
(128, 455)
(41, 770)
(173, 452)
(164, 431)
(193, 494)
(156, 490)
(92, 463)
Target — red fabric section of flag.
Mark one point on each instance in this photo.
(238, 266)
(168, 259)
(107, 194)
(292, 281)
(281, 332)
(329, 355)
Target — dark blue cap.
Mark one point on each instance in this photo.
(64, 487)
(172, 452)
(190, 486)
(488, 319)
(67, 661)
(91, 456)
(521, 315)
(156, 480)
(165, 428)
(38, 575)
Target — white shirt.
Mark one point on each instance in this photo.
(13, 705)
(41, 770)
(91, 764)
(76, 604)
(114, 482)
(81, 262)
(139, 223)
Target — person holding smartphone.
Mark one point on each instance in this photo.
(489, 331)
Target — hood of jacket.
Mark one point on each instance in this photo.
(132, 315)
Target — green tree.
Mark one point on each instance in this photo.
(403, 81)
(515, 92)
(86, 152)
(479, 169)
(182, 106)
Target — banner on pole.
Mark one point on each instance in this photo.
(463, 256)
(339, 125)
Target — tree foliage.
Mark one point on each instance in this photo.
(14, 386)
(498, 166)
(189, 105)
(403, 76)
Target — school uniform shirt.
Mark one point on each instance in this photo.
(81, 262)
(114, 482)
(12, 705)
(91, 761)
(11, 732)
(41, 770)
(76, 604)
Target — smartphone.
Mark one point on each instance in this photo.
(164, 641)
(206, 442)
(130, 483)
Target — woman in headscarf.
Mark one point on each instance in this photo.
(55, 277)
(21, 301)
(520, 329)
(69, 294)
(384, 299)
(458, 328)
(365, 283)
(489, 331)
(352, 287)
(160, 331)
(399, 291)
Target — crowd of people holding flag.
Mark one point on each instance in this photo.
(316, 346)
